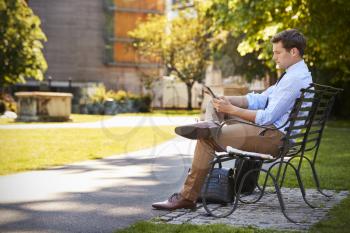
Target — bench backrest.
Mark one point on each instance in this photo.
(307, 119)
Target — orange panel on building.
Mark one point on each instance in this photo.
(123, 52)
(126, 16)
(141, 4)
(125, 22)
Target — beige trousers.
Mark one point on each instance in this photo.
(237, 135)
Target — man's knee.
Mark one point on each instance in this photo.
(210, 107)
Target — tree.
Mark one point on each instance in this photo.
(20, 43)
(256, 21)
(180, 44)
(324, 23)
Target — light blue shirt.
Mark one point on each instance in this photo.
(281, 96)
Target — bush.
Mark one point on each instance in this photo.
(7, 103)
(113, 102)
(99, 95)
(119, 96)
(143, 103)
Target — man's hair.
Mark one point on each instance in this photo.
(291, 38)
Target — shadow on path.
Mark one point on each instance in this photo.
(93, 196)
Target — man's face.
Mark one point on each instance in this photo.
(282, 56)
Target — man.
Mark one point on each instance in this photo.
(270, 108)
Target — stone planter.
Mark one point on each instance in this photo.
(43, 106)
(83, 109)
(96, 108)
(110, 107)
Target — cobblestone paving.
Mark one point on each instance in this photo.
(266, 213)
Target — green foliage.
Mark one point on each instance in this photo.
(120, 95)
(99, 95)
(181, 44)
(2, 107)
(252, 23)
(9, 103)
(128, 102)
(231, 62)
(323, 23)
(20, 43)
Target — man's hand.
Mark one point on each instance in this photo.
(222, 104)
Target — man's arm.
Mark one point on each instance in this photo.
(239, 101)
(244, 107)
(252, 101)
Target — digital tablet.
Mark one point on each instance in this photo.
(207, 90)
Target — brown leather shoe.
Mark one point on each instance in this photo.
(175, 201)
(201, 130)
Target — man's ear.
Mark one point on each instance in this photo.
(294, 51)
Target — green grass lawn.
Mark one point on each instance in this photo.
(333, 166)
(333, 162)
(166, 112)
(75, 118)
(338, 123)
(29, 149)
(80, 118)
(188, 228)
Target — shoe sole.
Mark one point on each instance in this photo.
(192, 132)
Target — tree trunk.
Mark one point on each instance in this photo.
(189, 96)
(2, 90)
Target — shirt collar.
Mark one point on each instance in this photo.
(299, 65)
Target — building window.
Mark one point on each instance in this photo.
(121, 17)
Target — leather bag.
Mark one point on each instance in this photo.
(220, 187)
(224, 183)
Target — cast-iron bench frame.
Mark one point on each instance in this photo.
(308, 116)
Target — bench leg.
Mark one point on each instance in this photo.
(317, 182)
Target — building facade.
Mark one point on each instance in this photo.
(88, 42)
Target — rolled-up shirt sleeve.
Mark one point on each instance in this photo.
(258, 101)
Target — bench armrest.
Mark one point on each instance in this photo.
(249, 123)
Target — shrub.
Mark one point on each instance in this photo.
(119, 96)
(144, 103)
(99, 95)
(101, 102)
(7, 103)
